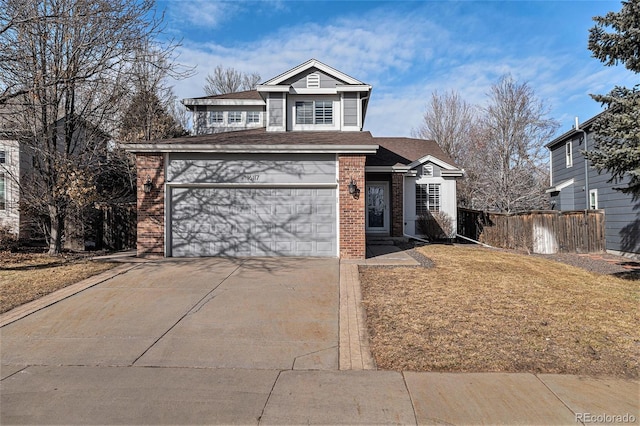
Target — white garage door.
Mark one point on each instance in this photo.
(279, 221)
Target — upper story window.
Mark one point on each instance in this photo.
(3, 157)
(215, 117)
(235, 117)
(304, 112)
(427, 170)
(427, 198)
(593, 199)
(324, 112)
(253, 117)
(568, 154)
(313, 81)
(314, 112)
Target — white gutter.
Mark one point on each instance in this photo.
(251, 149)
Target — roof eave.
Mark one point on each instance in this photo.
(254, 149)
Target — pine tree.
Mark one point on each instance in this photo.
(617, 132)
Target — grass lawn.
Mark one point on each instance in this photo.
(487, 310)
(26, 277)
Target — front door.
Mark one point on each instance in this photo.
(377, 213)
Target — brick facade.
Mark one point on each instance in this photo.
(397, 225)
(151, 205)
(352, 231)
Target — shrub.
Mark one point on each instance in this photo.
(436, 226)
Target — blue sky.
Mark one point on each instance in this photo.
(405, 49)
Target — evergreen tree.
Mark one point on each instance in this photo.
(617, 132)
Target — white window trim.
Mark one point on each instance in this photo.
(335, 114)
(428, 192)
(253, 114)
(427, 170)
(593, 195)
(568, 154)
(234, 114)
(210, 122)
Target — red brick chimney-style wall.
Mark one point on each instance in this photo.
(397, 225)
(151, 205)
(352, 232)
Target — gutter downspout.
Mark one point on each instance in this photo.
(586, 165)
(362, 99)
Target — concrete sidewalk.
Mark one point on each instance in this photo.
(151, 390)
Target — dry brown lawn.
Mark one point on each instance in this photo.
(26, 277)
(482, 310)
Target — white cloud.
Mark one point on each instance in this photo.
(201, 13)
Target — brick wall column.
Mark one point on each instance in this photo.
(397, 191)
(151, 205)
(352, 233)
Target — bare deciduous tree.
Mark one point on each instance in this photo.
(514, 128)
(449, 121)
(500, 146)
(65, 70)
(229, 80)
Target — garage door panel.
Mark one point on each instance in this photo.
(253, 222)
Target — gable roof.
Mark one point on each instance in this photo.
(406, 151)
(246, 94)
(586, 125)
(311, 63)
(247, 97)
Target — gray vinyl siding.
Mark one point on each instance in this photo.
(275, 110)
(249, 168)
(350, 109)
(326, 81)
(202, 127)
(622, 213)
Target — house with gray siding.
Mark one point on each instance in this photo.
(575, 185)
(287, 170)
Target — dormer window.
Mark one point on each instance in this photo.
(427, 170)
(314, 112)
(313, 81)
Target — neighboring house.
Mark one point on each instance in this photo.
(575, 185)
(306, 181)
(9, 189)
(17, 162)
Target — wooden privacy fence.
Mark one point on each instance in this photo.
(544, 232)
(117, 226)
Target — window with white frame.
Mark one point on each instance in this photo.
(593, 199)
(215, 117)
(314, 112)
(427, 198)
(253, 117)
(234, 117)
(568, 153)
(313, 81)
(3, 190)
(3, 157)
(324, 112)
(304, 112)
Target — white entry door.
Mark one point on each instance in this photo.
(377, 212)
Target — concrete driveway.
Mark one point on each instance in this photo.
(217, 313)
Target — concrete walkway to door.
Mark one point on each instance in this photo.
(223, 341)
